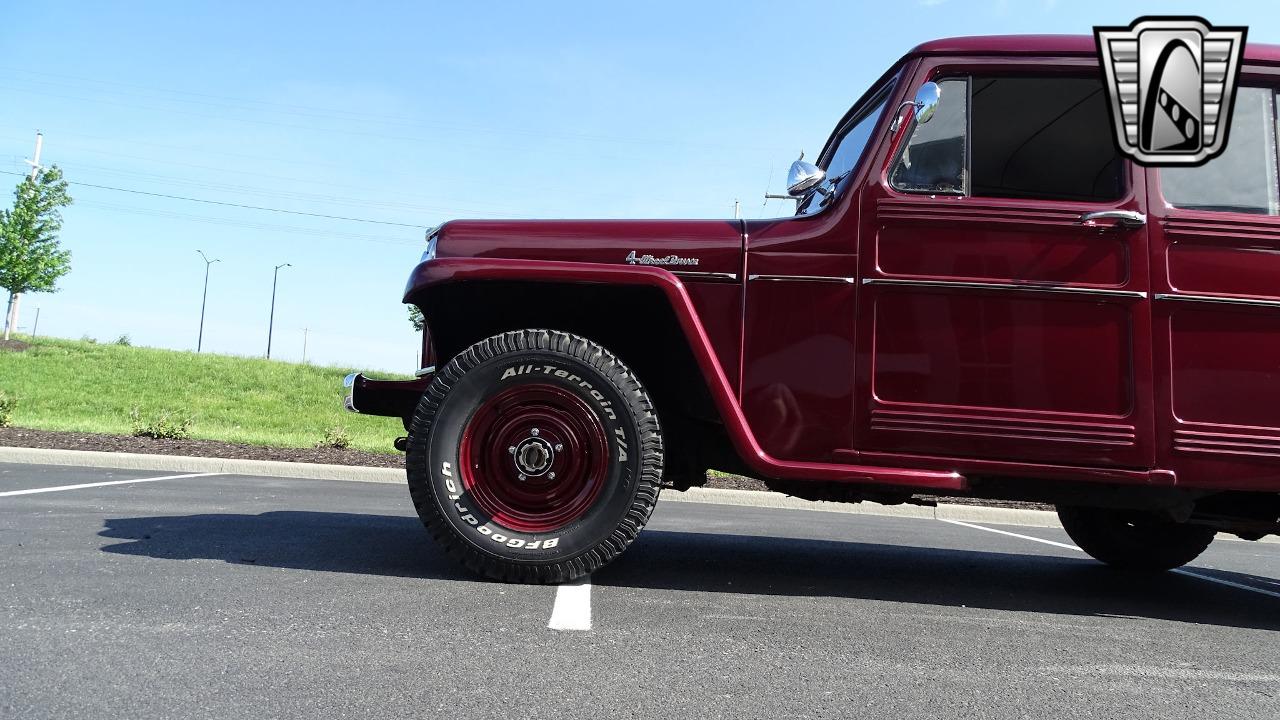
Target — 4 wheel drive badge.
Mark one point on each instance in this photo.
(1172, 83)
(634, 259)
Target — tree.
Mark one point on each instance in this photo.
(31, 259)
(416, 319)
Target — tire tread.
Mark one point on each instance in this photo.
(647, 430)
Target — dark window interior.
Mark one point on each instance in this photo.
(1043, 138)
(1036, 138)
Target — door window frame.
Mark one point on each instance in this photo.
(936, 69)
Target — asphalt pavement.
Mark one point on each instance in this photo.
(225, 596)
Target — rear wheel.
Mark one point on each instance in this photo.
(1132, 539)
(535, 456)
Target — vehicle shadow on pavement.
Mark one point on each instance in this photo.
(397, 546)
(724, 563)
(321, 541)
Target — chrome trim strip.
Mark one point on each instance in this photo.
(696, 275)
(1015, 287)
(424, 371)
(1221, 299)
(804, 278)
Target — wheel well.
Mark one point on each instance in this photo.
(635, 323)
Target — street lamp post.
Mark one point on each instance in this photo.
(271, 323)
(204, 299)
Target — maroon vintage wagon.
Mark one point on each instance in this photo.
(977, 295)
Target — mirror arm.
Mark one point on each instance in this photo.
(897, 120)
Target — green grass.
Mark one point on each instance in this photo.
(87, 387)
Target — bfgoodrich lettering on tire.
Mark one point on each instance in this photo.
(535, 456)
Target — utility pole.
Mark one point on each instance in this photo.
(34, 162)
(271, 323)
(11, 312)
(204, 299)
(737, 210)
(36, 325)
(304, 344)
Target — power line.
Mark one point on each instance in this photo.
(238, 205)
(260, 193)
(499, 211)
(227, 222)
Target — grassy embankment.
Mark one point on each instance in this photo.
(83, 386)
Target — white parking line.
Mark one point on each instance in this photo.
(60, 488)
(1228, 583)
(572, 610)
(1180, 571)
(1011, 534)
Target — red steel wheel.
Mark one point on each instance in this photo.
(534, 457)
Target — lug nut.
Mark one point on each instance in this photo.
(559, 447)
(534, 432)
(522, 477)
(551, 476)
(512, 449)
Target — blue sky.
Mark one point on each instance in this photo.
(416, 113)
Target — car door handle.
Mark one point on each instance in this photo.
(1113, 218)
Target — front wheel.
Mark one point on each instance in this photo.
(1132, 539)
(535, 456)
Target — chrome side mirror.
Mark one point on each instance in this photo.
(802, 177)
(926, 103)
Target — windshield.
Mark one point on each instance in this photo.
(843, 160)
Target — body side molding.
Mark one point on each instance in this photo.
(1007, 287)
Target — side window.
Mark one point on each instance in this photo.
(1035, 138)
(1243, 178)
(933, 159)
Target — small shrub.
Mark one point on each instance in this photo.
(124, 340)
(335, 437)
(7, 404)
(86, 338)
(164, 425)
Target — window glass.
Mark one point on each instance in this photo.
(933, 159)
(1044, 138)
(1243, 178)
(843, 159)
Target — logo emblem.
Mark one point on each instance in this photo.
(634, 259)
(1172, 86)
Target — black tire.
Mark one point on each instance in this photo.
(1132, 539)
(485, 392)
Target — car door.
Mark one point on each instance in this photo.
(1215, 240)
(1003, 307)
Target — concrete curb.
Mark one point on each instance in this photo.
(316, 471)
(964, 513)
(182, 463)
